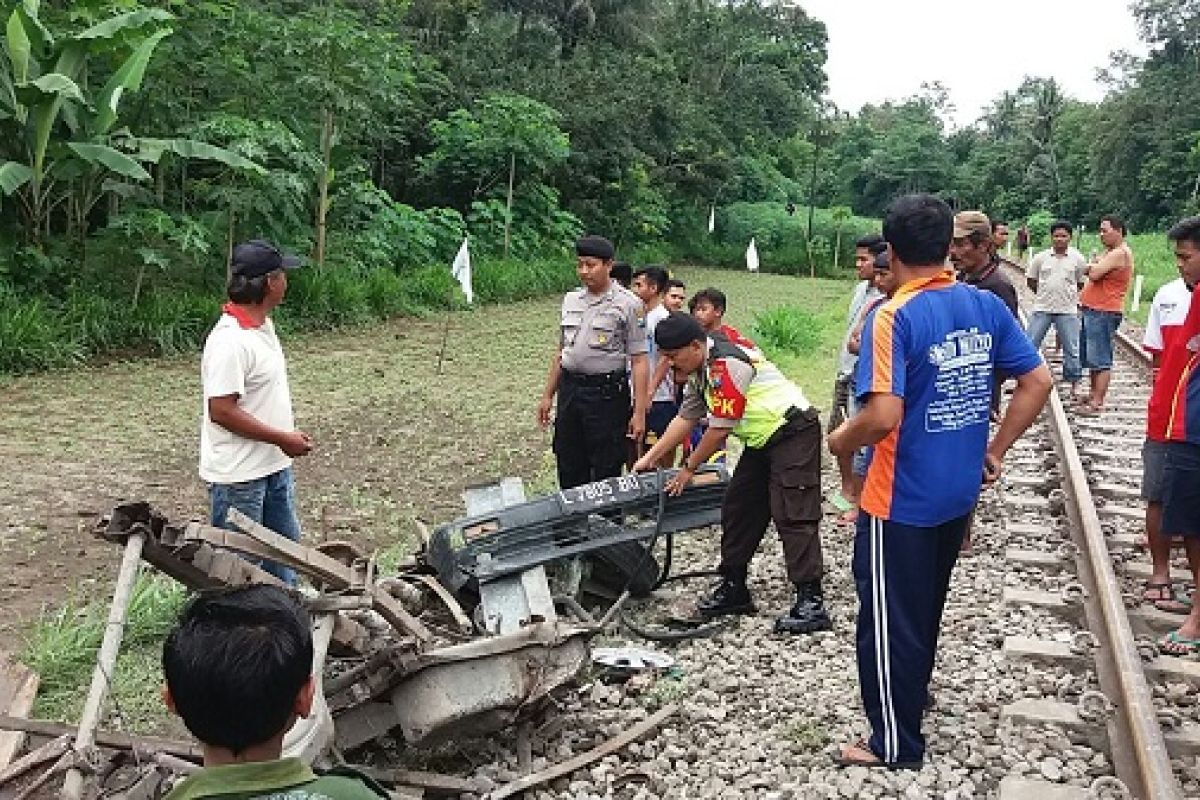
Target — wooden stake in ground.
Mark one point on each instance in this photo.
(106, 662)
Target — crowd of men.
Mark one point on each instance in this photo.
(636, 382)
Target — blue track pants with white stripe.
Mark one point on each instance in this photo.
(901, 573)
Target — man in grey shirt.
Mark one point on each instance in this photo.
(1055, 276)
(602, 327)
(865, 250)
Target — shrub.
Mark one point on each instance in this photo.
(781, 239)
(33, 336)
(787, 329)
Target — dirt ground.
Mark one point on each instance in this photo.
(395, 440)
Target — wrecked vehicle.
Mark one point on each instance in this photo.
(464, 638)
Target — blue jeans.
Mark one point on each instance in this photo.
(1066, 326)
(1099, 328)
(270, 501)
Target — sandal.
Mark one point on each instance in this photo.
(840, 503)
(859, 754)
(1175, 645)
(1161, 594)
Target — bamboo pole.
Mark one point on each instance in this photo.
(110, 647)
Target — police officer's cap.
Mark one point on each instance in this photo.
(678, 330)
(595, 247)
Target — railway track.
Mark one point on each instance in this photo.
(1069, 503)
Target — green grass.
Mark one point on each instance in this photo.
(787, 329)
(811, 314)
(62, 647)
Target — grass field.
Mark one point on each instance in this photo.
(395, 442)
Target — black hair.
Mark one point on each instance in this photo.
(996, 223)
(247, 291)
(672, 283)
(919, 228)
(1186, 230)
(872, 242)
(710, 295)
(1116, 222)
(1063, 225)
(655, 275)
(235, 663)
(882, 263)
(621, 272)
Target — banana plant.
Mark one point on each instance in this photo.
(59, 140)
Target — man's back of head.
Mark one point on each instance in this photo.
(235, 664)
(918, 228)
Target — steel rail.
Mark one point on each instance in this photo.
(1125, 681)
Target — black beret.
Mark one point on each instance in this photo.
(678, 330)
(882, 262)
(595, 247)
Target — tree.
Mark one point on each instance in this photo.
(474, 150)
(61, 141)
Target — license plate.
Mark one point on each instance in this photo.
(601, 494)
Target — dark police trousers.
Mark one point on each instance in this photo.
(590, 428)
(901, 573)
(780, 482)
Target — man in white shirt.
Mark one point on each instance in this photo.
(650, 284)
(844, 406)
(1055, 276)
(247, 434)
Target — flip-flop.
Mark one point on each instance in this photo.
(839, 502)
(867, 758)
(1175, 645)
(1161, 594)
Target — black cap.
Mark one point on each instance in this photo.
(259, 257)
(882, 262)
(595, 247)
(678, 330)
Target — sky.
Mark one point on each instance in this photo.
(885, 49)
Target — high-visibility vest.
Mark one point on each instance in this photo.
(767, 400)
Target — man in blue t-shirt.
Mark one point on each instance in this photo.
(924, 379)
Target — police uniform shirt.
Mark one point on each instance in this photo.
(598, 331)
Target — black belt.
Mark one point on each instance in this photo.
(599, 379)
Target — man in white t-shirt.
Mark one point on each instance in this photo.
(247, 435)
(1055, 276)
(650, 285)
(1164, 331)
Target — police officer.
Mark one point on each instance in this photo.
(778, 476)
(602, 336)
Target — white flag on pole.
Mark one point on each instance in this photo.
(461, 270)
(712, 218)
(752, 256)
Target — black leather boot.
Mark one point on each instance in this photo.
(730, 596)
(808, 615)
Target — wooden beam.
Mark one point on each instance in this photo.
(113, 741)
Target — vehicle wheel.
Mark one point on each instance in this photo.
(625, 563)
